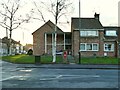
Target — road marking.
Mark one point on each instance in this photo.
(7, 78)
(25, 70)
(19, 77)
(47, 77)
(59, 76)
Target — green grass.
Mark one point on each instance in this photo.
(100, 60)
(26, 59)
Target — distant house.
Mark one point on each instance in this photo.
(88, 36)
(16, 47)
(3, 48)
(43, 38)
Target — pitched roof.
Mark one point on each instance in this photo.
(86, 23)
(111, 28)
(51, 25)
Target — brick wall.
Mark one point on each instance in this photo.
(98, 40)
(75, 42)
(39, 39)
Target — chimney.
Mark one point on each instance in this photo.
(96, 16)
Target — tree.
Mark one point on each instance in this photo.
(58, 8)
(11, 18)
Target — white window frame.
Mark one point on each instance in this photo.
(86, 33)
(109, 34)
(85, 46)
(112, 47)
(92, 46)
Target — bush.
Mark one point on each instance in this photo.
(30, 52)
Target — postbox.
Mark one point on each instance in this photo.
(65, 54)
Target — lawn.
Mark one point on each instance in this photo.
(100, 60)
(26, 59)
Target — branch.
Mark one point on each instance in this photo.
(40, 12)
(4, 25)
(4, 15)
(6, 7)
(16, 9)
(48, 8)
(61, 15)
(19, 23)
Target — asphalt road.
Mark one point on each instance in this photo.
(14, 77)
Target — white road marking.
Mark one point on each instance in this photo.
(67, 76)
(19, 77)
(59, 76)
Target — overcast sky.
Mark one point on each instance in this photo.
(108, 10)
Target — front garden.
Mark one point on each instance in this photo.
(47, 59)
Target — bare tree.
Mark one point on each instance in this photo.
(58, 8)
(12, 19)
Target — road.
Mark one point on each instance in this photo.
(16, 77)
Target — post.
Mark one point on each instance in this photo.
(79, 57)
(79, 34)
(64, 41)
(45, 43)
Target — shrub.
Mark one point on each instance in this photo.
(30, 52)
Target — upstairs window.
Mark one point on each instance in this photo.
(111, 33)
(88, 33)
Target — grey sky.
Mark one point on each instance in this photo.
(108, 10)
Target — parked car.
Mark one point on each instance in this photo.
(59, 52)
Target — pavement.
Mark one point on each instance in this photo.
(68, 66)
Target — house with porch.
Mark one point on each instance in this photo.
(43, 39)
(88, 36)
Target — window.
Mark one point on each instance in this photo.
(95, 47)
(82, 47)
(108, 47)
(111, 33)
(88, 33)
(88, 47)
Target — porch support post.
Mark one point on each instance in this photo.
(45, 43)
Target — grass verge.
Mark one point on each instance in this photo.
(26, 59)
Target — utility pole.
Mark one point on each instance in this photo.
(79, 34)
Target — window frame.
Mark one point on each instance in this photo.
(106, 34)
(112, 47)
(92, 46)
(86, 33)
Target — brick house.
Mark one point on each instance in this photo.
(92, 39)
(43, 38)
(119, 40)
(87, 36)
